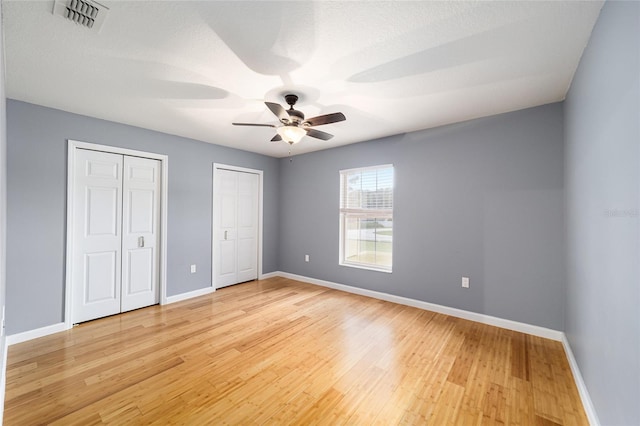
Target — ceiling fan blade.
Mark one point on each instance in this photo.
(325, 119)
(254, 124)
(276, 138)
(319, 135)
(280, 112)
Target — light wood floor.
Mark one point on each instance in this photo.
(279, 352)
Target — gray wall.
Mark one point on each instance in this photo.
(482, 199)
(36, 199)
(602, 128)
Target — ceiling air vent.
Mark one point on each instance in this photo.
(87, 13)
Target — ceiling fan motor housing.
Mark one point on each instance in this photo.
(297, 117)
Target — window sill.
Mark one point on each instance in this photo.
(366, 267)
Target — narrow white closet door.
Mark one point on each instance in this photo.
(225, 234)
(140, 223)
(97, 235)
(235, 227)
(247, 227)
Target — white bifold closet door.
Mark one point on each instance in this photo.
(236, 227)
(116, 230)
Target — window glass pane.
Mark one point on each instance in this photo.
(369, 241)
(368, 189)
(384, 242)
(354, 191)
(352, 240)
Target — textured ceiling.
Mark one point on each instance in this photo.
(192, 68)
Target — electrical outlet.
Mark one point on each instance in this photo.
(193, 269)
(306, 257)
(465, 282)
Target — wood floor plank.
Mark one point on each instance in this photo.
(520, 367)
(279, 351)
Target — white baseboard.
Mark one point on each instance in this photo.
(270, 275)
(534, 330)
(189, 295)
(582, 387)
(56, 328)
(34, 334)
(459, 313)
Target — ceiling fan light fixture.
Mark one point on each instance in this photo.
(291, 134)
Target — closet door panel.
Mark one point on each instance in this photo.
(96, 271)
(140, 234)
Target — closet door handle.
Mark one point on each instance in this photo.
(225, 234)
(140, 241)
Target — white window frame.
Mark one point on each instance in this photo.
(365, 213)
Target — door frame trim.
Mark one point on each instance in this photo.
(260, 173)
(162, 258)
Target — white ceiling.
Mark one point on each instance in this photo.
(192, 68)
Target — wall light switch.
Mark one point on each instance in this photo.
(465, 282)
(193, 269)
(306, 257)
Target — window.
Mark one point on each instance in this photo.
(366, 217)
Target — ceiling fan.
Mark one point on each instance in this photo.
(294, 126)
